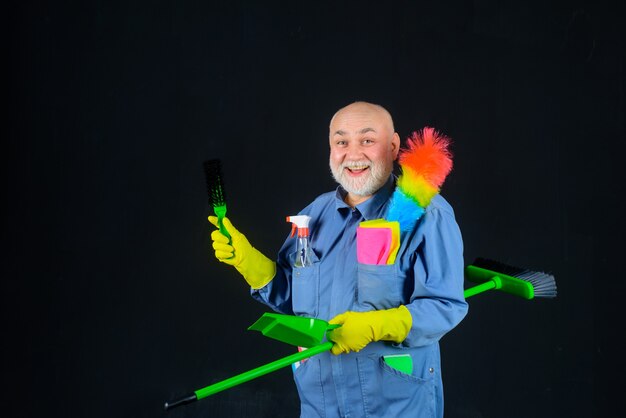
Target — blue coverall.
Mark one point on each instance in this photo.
(427, 278)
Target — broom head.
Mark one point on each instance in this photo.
(517, 281)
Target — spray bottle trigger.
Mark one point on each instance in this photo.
(293, 229)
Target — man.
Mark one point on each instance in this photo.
(387, 312)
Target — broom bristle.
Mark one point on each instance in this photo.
(544, 284)
(214, 182)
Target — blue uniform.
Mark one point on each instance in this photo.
(427, 277)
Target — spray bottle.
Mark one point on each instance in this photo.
(303, 251)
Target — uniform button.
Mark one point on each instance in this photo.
(431, 370)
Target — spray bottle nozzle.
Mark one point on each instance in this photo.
(301, 222)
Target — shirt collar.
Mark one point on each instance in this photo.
(372, 207)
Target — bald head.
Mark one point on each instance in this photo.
(364, 110)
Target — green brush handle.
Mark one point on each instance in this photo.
(493, 283)
(507, 284)
(262, 370)
(250, 374)
(220, 212)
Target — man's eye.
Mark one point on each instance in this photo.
(367, 141)
(340, 143)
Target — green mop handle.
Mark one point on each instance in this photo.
(250, 374)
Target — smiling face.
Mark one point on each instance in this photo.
(363, 147)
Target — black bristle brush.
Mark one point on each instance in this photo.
(517, 281)
(215, 190)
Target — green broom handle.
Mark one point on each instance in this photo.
(251, 374)
(262, 370)
(494, 283)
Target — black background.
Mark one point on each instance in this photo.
(112, 302)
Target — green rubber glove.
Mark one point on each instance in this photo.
(257, 269)
(358, 329)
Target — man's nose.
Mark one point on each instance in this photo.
(354, 151)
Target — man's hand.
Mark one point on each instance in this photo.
(361, 328)
(257, 269)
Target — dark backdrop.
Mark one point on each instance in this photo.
(112, 303)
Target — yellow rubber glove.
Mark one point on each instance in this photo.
(358, 329)
(257, 269)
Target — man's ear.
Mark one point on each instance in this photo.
(395, 145)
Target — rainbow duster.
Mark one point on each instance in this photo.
(425, 163)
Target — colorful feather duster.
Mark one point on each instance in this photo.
(425, 163)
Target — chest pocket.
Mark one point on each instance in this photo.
(305, 283)
(379, 286)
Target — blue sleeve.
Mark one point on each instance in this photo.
(277, 293)
(437, 303)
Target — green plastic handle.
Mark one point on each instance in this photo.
(505, 283)
(494, 283)
(262, 370)
(220, 212)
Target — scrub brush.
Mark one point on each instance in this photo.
(215, 189)
(521, 282)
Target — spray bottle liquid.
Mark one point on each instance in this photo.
(303, 251)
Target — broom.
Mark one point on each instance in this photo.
(490, 274)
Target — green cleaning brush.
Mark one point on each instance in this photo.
(525, 283)
(215, 189)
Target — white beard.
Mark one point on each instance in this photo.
(365, 185)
